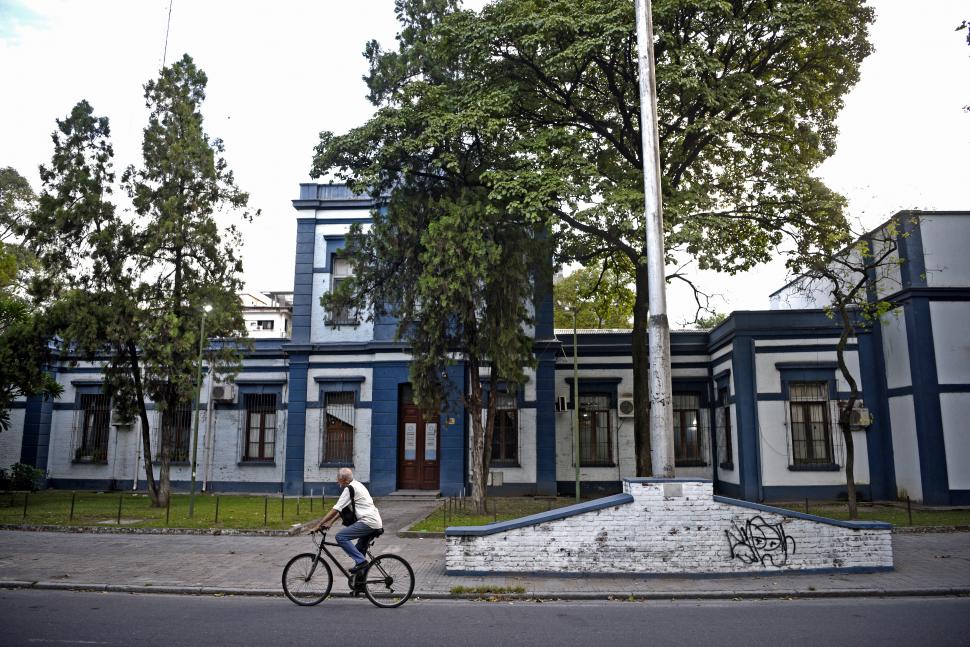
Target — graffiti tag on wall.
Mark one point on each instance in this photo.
(760, 542)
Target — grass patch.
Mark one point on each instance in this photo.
(486, 590)
(239, 512)
(460, 512)
(894, 514)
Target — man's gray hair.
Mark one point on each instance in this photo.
(345, 474)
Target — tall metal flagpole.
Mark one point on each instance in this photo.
(661, 421)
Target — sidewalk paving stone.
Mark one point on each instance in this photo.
(926, 564)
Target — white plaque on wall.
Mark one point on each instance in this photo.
(410, 441)
(431, 441)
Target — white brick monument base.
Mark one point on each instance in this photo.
(669, 527)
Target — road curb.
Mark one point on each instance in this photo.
(617, 596)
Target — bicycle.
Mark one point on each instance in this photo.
(387, 581)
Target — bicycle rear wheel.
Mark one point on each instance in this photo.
(388, 581)
(306, 583)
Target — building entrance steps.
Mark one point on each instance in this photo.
(415, 495)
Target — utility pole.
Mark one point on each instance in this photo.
(576, 398)
(198, 405)
(661, 421)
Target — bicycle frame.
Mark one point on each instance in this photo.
(322, 548)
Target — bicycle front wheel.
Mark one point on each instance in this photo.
(388, 581)
(307, 580)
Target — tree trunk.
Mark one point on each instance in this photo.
(845, 414)
(146, 435)
(473, 404)
(641, 373)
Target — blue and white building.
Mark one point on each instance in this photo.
(755, 399)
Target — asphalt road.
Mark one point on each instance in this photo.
(73, 618)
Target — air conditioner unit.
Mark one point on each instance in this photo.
(118, 421)
(624, 407)
(224, 392)
(860, 417)
(561, 404)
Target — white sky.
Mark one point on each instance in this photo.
(281, 72)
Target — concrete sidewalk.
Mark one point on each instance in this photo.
(926, 564)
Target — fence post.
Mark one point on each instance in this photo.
(311, 501)
(495, 510)
(26, 498)
(120, 499)
(909, 510)
(217, 509)
(168, 509)
(265, 508)
(71, 517)
(298, 507)
(282, 507)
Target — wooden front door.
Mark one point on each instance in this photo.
(417, 450)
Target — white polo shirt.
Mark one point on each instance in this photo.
(366, 510)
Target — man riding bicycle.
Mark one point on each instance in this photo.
(368, 518)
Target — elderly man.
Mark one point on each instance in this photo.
(368, 518)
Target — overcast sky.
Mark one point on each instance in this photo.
(281, 72)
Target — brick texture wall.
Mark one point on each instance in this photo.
(671, 527)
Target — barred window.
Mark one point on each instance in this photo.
(260, 427)
(811, 431)
(342, 271)
(505, 435)
(91, 431)
(338, 427)
(722, 414)
(177, 426)
(687, 430)
(595, 445)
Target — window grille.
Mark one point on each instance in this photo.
(91, 427)
(341, 272)
(260, 443)
(689, 442)
(810, 419)
(178, 427)
(722, 421)
(264, 324)
(595, 446)
(505, 434)
(338, 427)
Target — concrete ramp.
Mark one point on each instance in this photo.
(669, 527)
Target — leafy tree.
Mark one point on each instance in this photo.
(849, 274)
(130, 290)
(748, 92)
(712, 321)
(600, 294)
(24, 350)
(452, 255)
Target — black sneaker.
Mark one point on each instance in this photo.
(359, 567)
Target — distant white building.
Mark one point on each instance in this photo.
(267, 314)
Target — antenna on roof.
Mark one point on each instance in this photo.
(168, 26)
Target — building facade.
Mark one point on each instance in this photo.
(755, 400)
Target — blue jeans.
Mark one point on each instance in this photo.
(358, 531)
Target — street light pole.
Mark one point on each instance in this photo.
(198, 405)
(576, 400)
(661, 420)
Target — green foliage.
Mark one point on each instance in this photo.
(21, 477)
(128, 291)
(712, 321)
(454, 249)
(24, 350)
(599, 294)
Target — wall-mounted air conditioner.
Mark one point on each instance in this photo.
(118, 421)
(223, 392)
(624, 407)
